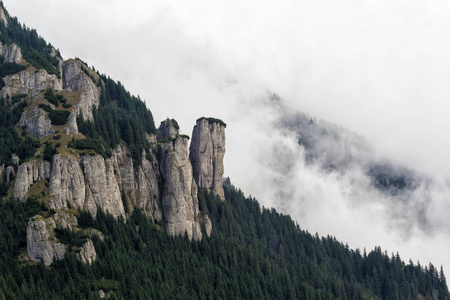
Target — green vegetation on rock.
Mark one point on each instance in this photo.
(213, 120)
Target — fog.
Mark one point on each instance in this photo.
(377, 68)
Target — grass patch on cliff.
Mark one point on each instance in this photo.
(40, 191)
(213, 120)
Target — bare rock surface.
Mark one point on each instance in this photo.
(207, 151)
(41, 242)
(27, 174)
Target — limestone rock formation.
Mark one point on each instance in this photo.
(41, 242)
(163, 185)
(85, 183)
(102, 189)
(27, 174)
(179, 195)
(37, 123)
(168, 129)
(67, 183)
(29, 81)
(206, 153)
(87, 253)
(3, 17)
(140, 183)
(74, 79)
(11, 54)
(10, 174)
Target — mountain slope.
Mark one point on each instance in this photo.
(91, 158)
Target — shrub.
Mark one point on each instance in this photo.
(67, 105)
(99, 146)
(59, 117)
(57, 137)
(17, 98)
(50, 97)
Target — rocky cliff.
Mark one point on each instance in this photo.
(42, 244)
(207, 151)
(179, 194)
(11, 54)
(163, 181)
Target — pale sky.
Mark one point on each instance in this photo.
(378, 68)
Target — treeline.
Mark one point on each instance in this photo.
(34, 48)
(120, 116)
(253, 253)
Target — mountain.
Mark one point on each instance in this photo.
(98, 202)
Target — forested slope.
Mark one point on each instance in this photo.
(253, 253)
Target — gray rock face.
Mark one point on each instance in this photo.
(3, 17)
(9, 174)
(41, 242)
(87, 253)
(12, 54)
(67, 183)
(65, 221)
(30, 81)
(15, 159)
(167, 129)
(139, 183)
(179, 196)
(206, 153)
(27, 174)
(37, 123)
(74, 79)
(85, 183)
(102, 189)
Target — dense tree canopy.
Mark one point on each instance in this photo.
(253, 253)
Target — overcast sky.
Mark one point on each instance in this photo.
(379, 68)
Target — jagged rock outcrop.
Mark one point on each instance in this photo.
(168, 129)
(43, 245)
(15, 159)
(65, 221)
(37, 122)
(102, 189)
(29, 81)
(11, 54)
(91, 232)
(27, 174)
(55, 53)
(9, 174)
(179, 195)
(41, 242)
(3, 17)
(85, 183)
(87, 253)
(74, 79)
(140, 183)
(67, 183)
(206, 153)
(162, 185)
